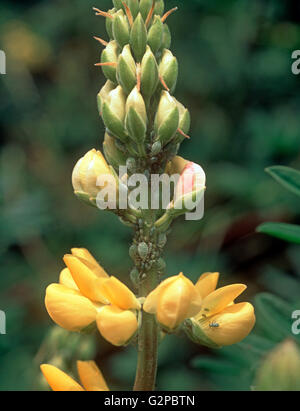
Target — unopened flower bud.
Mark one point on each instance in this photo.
(118, 4)
(103, 94)
(113, 155)
(138, 38)
(110, 55)
(121, 28)
(159, 7)
(149, 74)
(155, 34)
(156, 148)
(86, 172)
(167, 38)
(136, 116)
(167, 118)
(184, 123)
(145, 7)
(168, 69)
(190, 188)
(126, 70)
(174, 300)
(143, 250)
(109, 24)
(113, 112)
(134, 7)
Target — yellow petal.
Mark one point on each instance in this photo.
(91, 377)
(85, 279)
(115, 325)
(90, 261)
(207, 283)
(68, 308)
(178, 301)
(66, 279)
(119, 294)
(231, 325)
(58, 380)
(150, 304)
(219, 299)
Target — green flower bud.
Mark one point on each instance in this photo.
(159, 7)
(143, 250)
(145, 7)
(167, 38)
(136, 116)
(168, 69)
(110, 55)
(103, 94)
(113, 113)
(121, 28)
(167, 118)
(118, 4)
(109, 24)
(156, 148)
(132, 4)
(149, 74)
(134, 7)
(184, 122)
(155, 34)
(113, 155)
(126, 70)
(138, 38)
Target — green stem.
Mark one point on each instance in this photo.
(147, 343)
(164, 222)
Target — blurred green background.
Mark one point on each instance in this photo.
(236, 79)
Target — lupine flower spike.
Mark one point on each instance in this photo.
(145, 126)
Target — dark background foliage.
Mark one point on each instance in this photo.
(236, 79)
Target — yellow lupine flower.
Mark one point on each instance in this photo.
(90, 376)
(84, 290)
(234, 324)
(174, 300)
(220, 319)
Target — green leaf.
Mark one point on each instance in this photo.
(287, 232)
(273, 316)
(287, 177)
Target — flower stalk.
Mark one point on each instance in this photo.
(145, 126)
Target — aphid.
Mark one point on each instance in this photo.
(213, 324)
